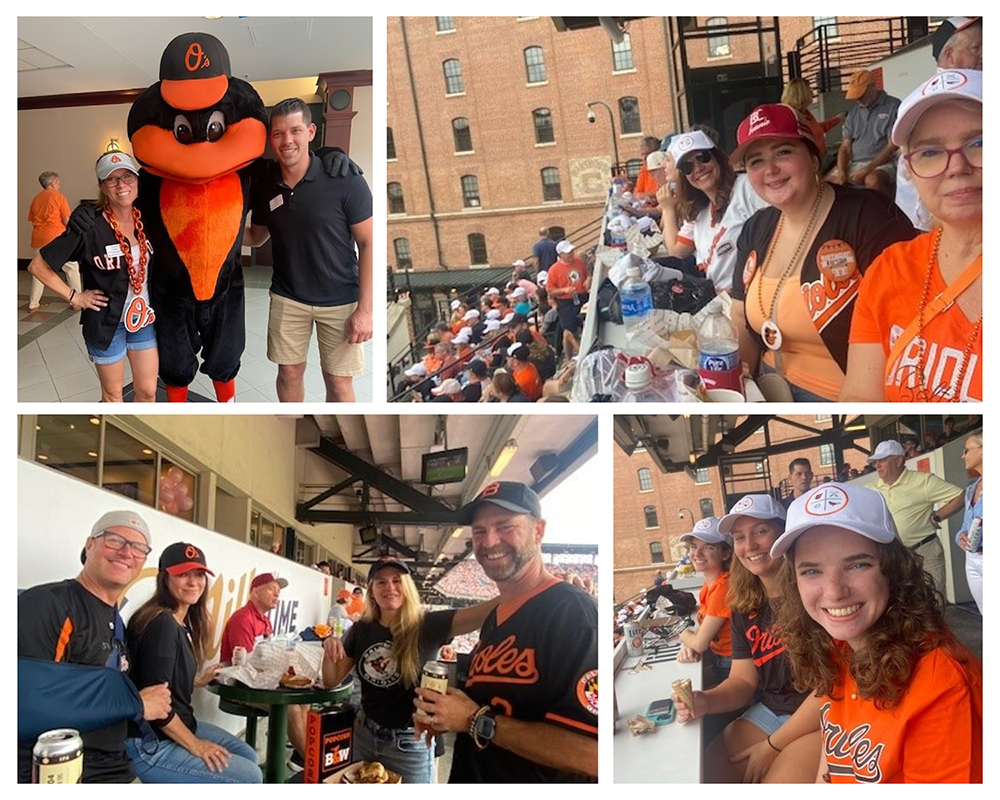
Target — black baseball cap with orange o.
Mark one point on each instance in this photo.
(194, 71)
(181, 557)
(508, 495)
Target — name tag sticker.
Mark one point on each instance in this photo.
(276, 202)
(113, 250)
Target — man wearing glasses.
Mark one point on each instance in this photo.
(76, 621)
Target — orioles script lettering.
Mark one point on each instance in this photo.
(504, 663)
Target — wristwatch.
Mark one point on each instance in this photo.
(936, 517)
(483, 727)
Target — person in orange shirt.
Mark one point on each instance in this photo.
(901, 699)
(917, 331)
(48, 215)
(525, 373)
(568, 283)
(645, 186)
(711, 553)
(356, 606)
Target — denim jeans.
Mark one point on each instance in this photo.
(395, 748)
(171, 763)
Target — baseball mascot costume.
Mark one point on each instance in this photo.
(198, 133)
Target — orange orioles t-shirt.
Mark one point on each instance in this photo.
(935, 735)
(712, 603)
(888, 300)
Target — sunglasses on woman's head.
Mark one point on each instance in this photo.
(687, 165)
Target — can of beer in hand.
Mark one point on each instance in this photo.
(58, 757)
(239, 656)
(434, 677)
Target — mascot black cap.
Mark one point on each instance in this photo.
(194, 71)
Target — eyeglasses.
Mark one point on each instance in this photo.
(128, 179)
(929, 162)
(114, 541)
(701, 156)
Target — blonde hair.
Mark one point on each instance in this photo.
(405, 629)
(797, 94)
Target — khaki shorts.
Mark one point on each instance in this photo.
(289, 328)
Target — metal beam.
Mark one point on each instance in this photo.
(326, 495)
(446, 517)
(577, 448)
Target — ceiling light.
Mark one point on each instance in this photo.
(95, 421)
(503, 458)
(455, 534)
(146, 451)
(92, 453)
(42, 457)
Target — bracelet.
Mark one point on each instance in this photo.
(472, 727)
(772, 744)
(72, 294)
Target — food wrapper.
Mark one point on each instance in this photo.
(682, 688)
(272, 659)
(640, 725)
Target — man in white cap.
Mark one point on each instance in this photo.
(76, 621)
(568, 284)
(911, 496)
(450, 391)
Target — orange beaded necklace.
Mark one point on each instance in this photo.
(136, 277)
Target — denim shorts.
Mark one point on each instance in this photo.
(396, 748)
(142, 339)
(760, 716)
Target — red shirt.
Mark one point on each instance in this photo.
(529, 381)
(242, 629)
(562, 276)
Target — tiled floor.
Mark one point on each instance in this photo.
(53, 366)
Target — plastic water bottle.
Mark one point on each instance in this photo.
(719, 363)
(636, 298)
(639, 385)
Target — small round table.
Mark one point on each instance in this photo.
(277, 701)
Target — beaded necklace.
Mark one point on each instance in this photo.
(923, 393)
(136, 277)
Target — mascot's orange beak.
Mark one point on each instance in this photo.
(163, 155)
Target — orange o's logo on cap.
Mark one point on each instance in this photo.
(825, 501)
(115, 160)
(490, 490)
(195, 58)
(191, 552)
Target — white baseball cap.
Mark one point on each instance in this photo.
(416, 371)
(655, 159)
(492, 325)
(681, 145)
(948, 84)
(493, 290)
(122, 519)
(841, 505)
(543, 276)
(463, 336)
(518, 263)
(509, 318)
(109, 162)
(449, 386)
(758, 506)
(890, 447)
(565, 247)
(707, 530)
(471, 314)
(493, 313)
(519, 292)
(455, 304)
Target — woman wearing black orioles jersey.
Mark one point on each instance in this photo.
(114, 259)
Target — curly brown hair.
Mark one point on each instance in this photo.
(691, 201)
(911, 626)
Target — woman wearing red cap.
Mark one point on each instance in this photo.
(917, 333)
(800, 261)
(114, 260)
(864, 630)
(389, 645)
(168, 638)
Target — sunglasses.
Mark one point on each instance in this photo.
(701, 156)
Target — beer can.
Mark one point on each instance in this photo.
(434, 677)
(633, 639)
(239, 656)
(58, 757)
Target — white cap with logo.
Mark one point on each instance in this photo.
(840, 505)
(707, 530)
(758, 506)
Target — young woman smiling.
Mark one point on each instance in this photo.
(777, 739)
(802, 258)
(901, 698)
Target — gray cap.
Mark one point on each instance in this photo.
(122, 519)
(707, 530)
(109, 162)
(758, 506)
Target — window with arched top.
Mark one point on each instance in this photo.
(463, 135)
(551, 189)
(656, 552)
(621, 54)
(534, 63)
(396, 204)
(453, 83)
(470, 191)
(542, 119)
(628, 111)
(404, 258)
(645, 480)
(477, 249)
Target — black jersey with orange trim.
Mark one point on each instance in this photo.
(536, 661)
(754, 636)
(64, 622)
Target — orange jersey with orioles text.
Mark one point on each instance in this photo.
(935, 735)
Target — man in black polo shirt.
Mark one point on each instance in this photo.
(316, 220)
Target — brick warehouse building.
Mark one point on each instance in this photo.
(488, 136)
(653, 509)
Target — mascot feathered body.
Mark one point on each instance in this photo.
(198, 132)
